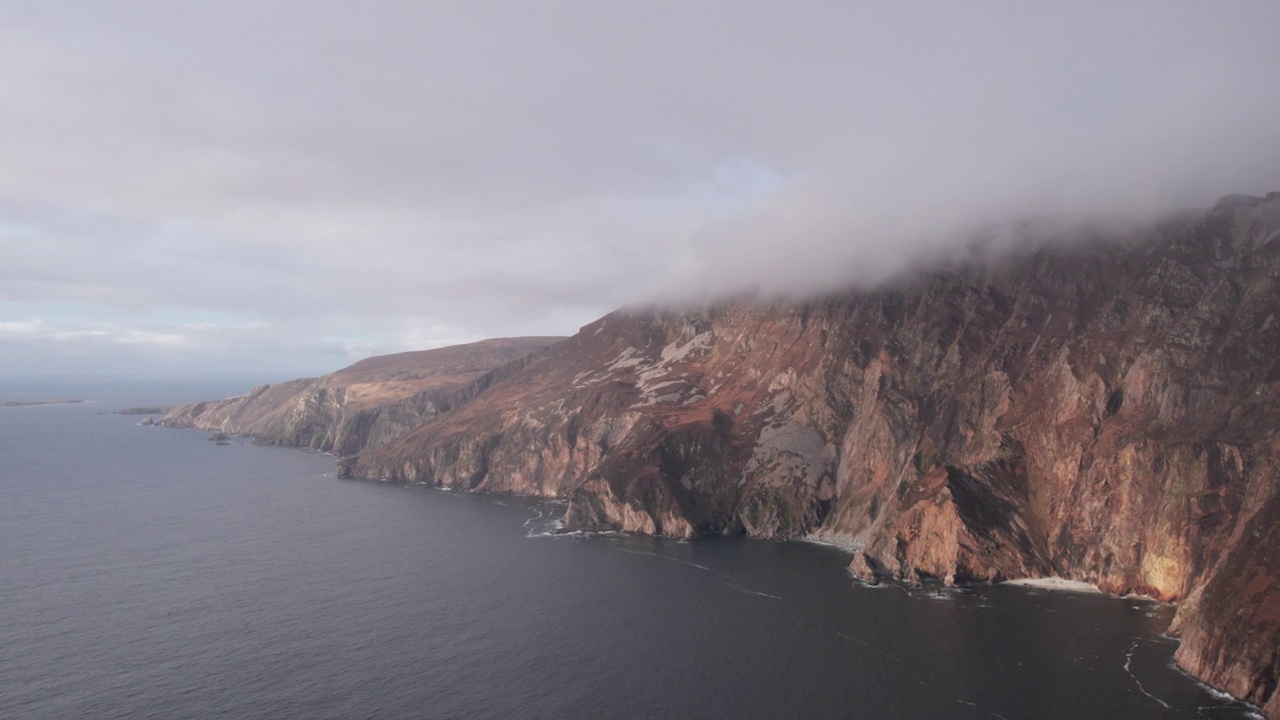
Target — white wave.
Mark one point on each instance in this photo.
(878, 585)
(1227, 698)
(1128, 659)
(753, 592)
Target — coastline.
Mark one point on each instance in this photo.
(1056, 583)
(848, 546)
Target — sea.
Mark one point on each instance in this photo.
(148, 572)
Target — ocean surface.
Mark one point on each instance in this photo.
(147, 573)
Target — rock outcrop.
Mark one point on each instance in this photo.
(1104, 406)
(372, 401)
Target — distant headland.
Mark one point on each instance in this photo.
(25, 403)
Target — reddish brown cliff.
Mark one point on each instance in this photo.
(1104, 408)
(372, 401)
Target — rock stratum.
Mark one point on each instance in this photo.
(370, 402)
(1103, 406)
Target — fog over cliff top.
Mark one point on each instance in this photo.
(292, 185)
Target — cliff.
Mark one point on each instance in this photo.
(372, 401)
(1102, 407)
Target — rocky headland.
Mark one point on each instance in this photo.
(146, 410)
(1099, 405)
(372, 401)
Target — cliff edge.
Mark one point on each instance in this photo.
(1103, 406)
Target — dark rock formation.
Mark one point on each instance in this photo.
(1230, 626)
(1103, 407)
(369, 402)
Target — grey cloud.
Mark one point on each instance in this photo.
(367, 176)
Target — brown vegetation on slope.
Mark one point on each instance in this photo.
(372, 401)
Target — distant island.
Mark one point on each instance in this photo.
(25, 403)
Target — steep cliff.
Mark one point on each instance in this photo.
(372, 401)
(1101, 407)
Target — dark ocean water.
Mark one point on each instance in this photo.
(147, 573)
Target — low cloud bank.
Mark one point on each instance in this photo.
(343, 179)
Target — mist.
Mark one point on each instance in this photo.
(234, 185)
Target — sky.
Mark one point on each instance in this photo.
(287, 187)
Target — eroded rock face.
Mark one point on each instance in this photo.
(370, 402)
(1102, 408)
(1231, 625)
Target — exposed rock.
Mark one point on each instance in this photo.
(1104, 408)
(369, 402)
(1231, 625)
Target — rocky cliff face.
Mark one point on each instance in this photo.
(1103, 408)
(371, 402)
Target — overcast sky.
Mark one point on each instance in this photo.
(290, 186)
